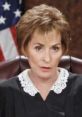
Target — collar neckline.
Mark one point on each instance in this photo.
(58, 86)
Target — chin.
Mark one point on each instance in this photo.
(44, 75)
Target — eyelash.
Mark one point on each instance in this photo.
(38, 48)
(55, 48)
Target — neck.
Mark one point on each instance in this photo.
(43, 84)
(42, 80)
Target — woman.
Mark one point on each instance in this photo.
(44, 90)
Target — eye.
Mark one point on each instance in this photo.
(38, 48)
(55, 48)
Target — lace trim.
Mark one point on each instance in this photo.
(61, 82)
(26, 83)
(29, 87)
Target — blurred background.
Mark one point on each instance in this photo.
(11, 11)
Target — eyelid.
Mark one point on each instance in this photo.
(38, 47)
(55, 47)
(59, 45)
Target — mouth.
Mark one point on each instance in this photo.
(45, 69)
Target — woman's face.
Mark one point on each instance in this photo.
(44, 52)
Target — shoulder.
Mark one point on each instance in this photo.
(75, 81)
(7, 85)
(75, 78)
(74, 95)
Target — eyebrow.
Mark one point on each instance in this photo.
(39, 44)
(57, 44)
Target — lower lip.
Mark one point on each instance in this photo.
(45, 69)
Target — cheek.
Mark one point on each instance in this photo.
(33, 60)
(56, 58)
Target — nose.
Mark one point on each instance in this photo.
(46, 56)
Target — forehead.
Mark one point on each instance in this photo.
(49, 37)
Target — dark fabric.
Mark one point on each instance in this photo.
(14, 102)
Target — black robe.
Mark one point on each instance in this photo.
(14, 102)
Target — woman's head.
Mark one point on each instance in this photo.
(44, 52)
(43, 18)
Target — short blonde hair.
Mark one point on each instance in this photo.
(45, 18)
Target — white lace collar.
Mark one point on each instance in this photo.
(29, 87)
